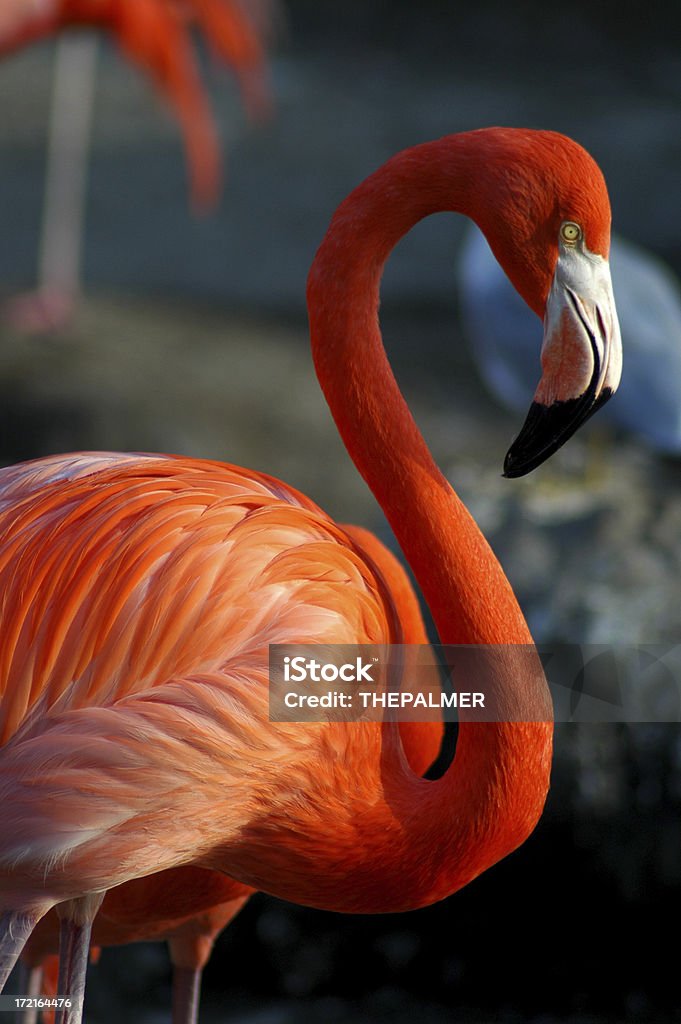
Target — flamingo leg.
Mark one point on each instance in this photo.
(51, 304)
(68, 150)
(186, 994)
(15, 928)
(74, 941)
(74, 946)
(190, 949)
(65, 958)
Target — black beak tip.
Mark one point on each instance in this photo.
(521, 460)
(538, 439)
(546, 429)
(513, 467)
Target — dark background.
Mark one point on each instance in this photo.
(192, 337)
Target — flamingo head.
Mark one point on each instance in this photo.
(553, 240)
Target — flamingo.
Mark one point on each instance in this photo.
(154, 35)
(141, 592)
(504, 337)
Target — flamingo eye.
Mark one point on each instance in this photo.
(570, 232)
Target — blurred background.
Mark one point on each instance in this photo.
(191, 337)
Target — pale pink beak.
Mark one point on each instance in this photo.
(581, 359)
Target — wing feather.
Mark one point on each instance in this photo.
(139, 597)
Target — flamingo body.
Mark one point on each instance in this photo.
(215, 564)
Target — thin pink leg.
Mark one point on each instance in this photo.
(15, 928)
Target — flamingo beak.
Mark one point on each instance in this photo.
(581, 358)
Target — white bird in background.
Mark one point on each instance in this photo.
(505, 337)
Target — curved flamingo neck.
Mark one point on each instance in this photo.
(450, 558)
(493, 793)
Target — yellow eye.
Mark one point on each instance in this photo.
(570, 232)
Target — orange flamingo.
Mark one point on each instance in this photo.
(140, 594)
(155, 35)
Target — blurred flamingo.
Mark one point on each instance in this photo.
(156, 36)
(504, 338)
(141, 594)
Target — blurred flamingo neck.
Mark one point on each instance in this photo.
(452, 562)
